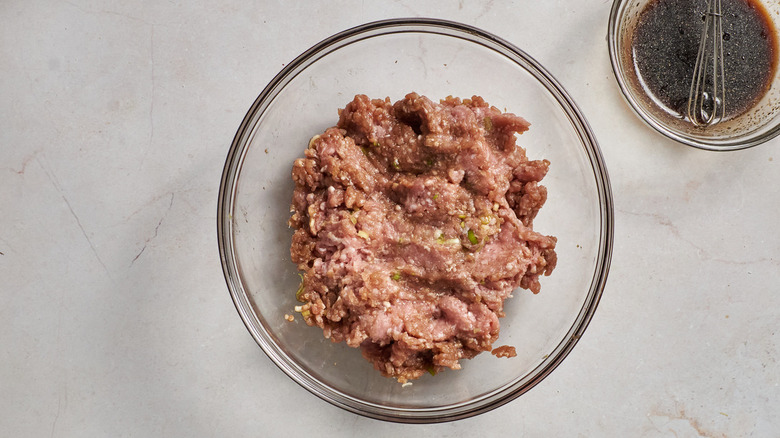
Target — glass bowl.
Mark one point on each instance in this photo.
(433, 58)
(757, 125)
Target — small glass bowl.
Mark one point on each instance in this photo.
(758, 125)
(434, 58)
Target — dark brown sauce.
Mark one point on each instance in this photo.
(665, 44)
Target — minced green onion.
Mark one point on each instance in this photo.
(396, 276)
(300, 288)
(473, 237)
(443, 240)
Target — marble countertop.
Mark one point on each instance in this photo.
(115, 319)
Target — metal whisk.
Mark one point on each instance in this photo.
(707, 98)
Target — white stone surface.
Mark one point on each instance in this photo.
(115, 119)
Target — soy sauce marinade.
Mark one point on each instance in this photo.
(666, 42)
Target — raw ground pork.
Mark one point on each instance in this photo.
(413, 224)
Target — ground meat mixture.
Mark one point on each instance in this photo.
(504, 351)
(413, 224)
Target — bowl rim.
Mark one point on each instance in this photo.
(227, 192)
(718, 145)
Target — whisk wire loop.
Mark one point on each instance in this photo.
(707, 96)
